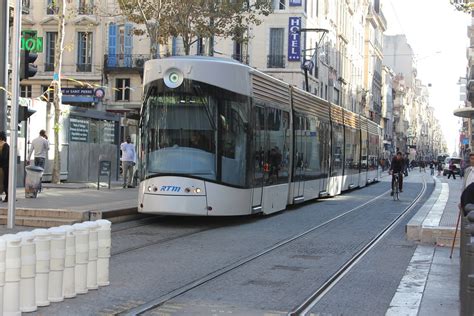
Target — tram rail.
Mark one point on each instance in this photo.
(305, 307)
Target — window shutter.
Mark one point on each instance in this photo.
(112, 57)
(128, 42)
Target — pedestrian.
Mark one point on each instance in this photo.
(4, 163)
(39, 145)
(469, 172)
(451, 167)
(461, 170)
(440, 168)
(128, 159)
(432, 167)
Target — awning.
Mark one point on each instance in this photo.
(464, 112)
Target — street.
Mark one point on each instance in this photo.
(158, 259)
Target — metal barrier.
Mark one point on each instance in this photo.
(466, 288)
(50, 265)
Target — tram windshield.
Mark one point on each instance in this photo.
(194, 130)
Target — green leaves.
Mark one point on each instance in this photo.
(192, 19)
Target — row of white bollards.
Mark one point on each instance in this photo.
(49, 265)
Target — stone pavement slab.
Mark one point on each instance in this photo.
(71, 203)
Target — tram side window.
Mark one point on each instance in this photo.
(373, 151)
(363, 149)
(314, 150)
(337, 149)
(279, 150)
(233, 137)
(324, 141)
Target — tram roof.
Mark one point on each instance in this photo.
(224, 73)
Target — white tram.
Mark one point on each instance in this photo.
(220, 138)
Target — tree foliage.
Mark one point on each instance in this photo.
(464, 7)
(192, 19)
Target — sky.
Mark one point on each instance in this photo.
(437, 34)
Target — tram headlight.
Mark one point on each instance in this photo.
(173, 78)
(149, 188)
(197, 190)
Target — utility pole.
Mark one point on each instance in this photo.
(14, 115)
(4, 26)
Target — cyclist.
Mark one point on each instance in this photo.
(397, 166)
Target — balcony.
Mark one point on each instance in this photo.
(48, 67)
(85, 10)
(25, 6)
(83, 67)
(244, 59)
(124, 63)
(377, 77)
(276, 61)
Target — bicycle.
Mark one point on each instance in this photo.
(396, 188)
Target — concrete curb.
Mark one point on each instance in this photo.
(424, 226)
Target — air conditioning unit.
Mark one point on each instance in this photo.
(139, 62)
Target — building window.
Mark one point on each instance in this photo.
(276, 59)
(25, 91)
(25, 6)
(47, 93)
(84, 52)
(50, 50)
(279, 4)
(122, 90)
(51, 7)
(85, 7)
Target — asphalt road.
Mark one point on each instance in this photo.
(152, 258)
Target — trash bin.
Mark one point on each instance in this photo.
(33, 181)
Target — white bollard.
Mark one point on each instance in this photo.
(69, 263)
(81, 232)
(42, 242)
(3, 249)
(56, 266)
(11, 292)
(92, 264)
(28, 272)
(103, 252)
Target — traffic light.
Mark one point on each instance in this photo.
(27, 67)
(24, 113)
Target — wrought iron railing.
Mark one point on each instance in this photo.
(242, 58)
(125, 61)
(85, 9)
(83, 67)
(48, 67)
(25, 6)
(276, 61)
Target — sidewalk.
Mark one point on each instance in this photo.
(69, 203)
(430, 285)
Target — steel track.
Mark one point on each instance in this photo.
(217, 273)
(305, 307)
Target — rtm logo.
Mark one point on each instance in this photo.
(170, 188)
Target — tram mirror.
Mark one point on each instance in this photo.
(173, 78)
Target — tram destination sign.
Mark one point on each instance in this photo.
(294, 39)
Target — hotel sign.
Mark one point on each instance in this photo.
(294, 39)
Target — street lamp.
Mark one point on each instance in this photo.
(308, 64)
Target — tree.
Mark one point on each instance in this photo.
(58, 60)
(193, 19)
(467, 6)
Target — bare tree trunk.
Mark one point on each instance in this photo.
(58, 60)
